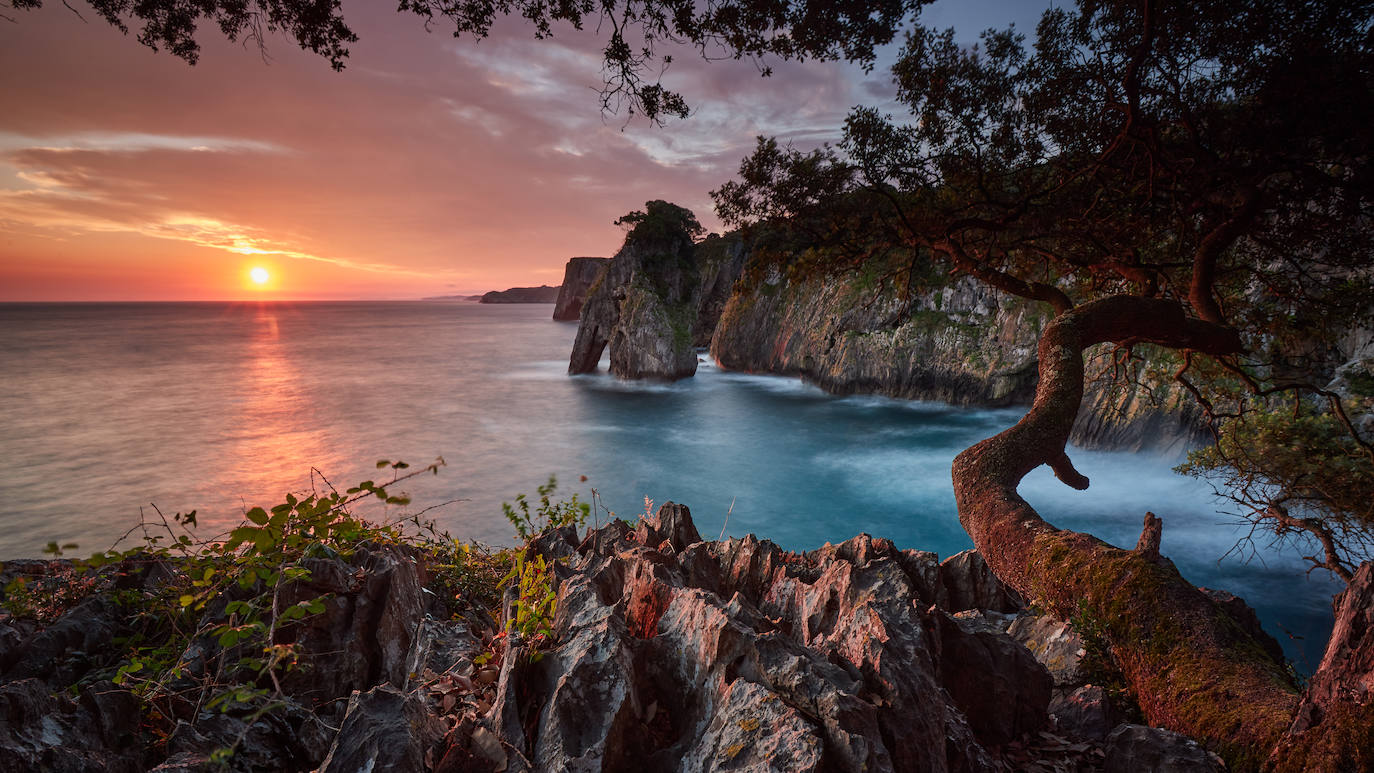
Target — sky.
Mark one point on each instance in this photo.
(430, 166)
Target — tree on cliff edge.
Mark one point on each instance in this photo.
(1193, 176)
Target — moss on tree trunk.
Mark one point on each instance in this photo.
(1188, 664)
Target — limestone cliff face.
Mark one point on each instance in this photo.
(958, 344)
(652, 305)
(578, 277)
(961, 343)
(1151, 413)
(719, 262)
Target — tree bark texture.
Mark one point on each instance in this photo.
(1188, 664)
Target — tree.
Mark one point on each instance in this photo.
(1156, 173)
(1193, 176)
(661, 221)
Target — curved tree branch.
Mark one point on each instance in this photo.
(1209, 250)
(1037, 291)
(1189, 666)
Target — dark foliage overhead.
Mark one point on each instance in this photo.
(636, 31)
(317, 25)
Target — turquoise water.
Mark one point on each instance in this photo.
(106, 409)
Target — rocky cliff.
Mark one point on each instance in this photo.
(953, 341)
(578, 277)
(655, 302)
(956, 344)
(643, 308)
(719, 261)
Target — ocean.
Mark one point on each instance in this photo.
(108, 411)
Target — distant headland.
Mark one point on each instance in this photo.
(540, 294)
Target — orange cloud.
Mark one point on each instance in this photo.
(429, 166)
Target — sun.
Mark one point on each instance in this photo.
(259, 275)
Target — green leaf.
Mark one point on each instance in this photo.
(257, 515)
(186, 600)
(241, 535)
(382, 463)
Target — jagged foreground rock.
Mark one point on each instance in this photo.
(676, 654)
(669, 653)
(357, 661)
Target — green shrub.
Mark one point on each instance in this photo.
(549, 514)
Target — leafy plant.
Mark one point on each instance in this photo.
(548, 515)
(536, 602)
(207, 633)
(1295, 475)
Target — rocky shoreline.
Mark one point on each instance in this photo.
(668, 653)
(959, 343)
(885, 325)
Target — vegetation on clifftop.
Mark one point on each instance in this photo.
(214, 625)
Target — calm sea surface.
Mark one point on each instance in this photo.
(108, 409)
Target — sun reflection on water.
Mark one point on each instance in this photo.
(276, 436)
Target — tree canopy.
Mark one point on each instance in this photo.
(1215, 157)
(661, 221)
(633, 56)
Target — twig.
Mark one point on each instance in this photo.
(727, 520)
(73, 10)
(317, 471)
(441, 504)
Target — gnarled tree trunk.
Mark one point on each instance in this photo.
(1189, 665)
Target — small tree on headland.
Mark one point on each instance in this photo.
(660, 221)
(1194, 176)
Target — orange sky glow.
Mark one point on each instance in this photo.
(429, 166)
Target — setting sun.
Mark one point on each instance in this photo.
(259, 275)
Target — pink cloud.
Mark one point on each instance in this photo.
(428, 163)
